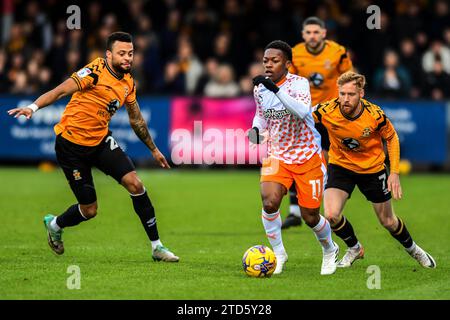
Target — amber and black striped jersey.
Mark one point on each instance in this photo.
(101, 93)
(356, 143)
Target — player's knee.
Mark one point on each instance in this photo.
(310, 216)
(333, 217)
(89, 211)
(134, 185)
(270, 205)
(389, 223)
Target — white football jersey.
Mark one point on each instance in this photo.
(291, 139)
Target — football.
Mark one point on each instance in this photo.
(259, 261)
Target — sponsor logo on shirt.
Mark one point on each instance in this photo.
(275, 114)
(84, 72)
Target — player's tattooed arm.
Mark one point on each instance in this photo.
(139, 125)
(140, 128)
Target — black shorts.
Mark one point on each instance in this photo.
(77, 162)
(325, 139)
(372, 185)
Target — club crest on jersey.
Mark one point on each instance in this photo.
(76, 174)
(126, 92)
(327, 64)
(351, 143)
(84, 72)
(112, 106)
(316, 79)
(275, 114)
(366, 132)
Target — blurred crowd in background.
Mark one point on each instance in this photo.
(215, 48)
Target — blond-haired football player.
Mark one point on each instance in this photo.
(357, 129)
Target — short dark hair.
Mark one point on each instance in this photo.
(117, 36)
(314, 20)
(281, 45)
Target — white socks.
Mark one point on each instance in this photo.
(54, 225)
(295, 210)
(411, 249)
(272, 225)
(356, 246)
(156, 243)
(323, 234)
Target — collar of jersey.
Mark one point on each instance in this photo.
(115, 75)
(282, 80)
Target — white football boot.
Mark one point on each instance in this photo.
(329, 261)
(281, 260)
(351, 255)
(422, 257)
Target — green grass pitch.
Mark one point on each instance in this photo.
(209, 219)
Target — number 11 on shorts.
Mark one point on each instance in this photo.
(316, 188)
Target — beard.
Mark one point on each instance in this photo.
(118, 68)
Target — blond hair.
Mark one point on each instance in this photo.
(350, 76)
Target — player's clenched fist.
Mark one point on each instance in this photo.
(269, 84)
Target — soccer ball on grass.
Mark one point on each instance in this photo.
(259, 261)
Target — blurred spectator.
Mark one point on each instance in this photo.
(170, 32)
(411, 60)
(410, 23)
(223, 84)
(273, 24)
(222, 51)
(392, 80)
(189, 65)
(20, 84)
(40, 33)
(421, 42)
(17, 39)
(437, 52)
(73, 62)
(374, 49)
(437, 82)
(138, 72)
(174, 80)
(3, 77)
(146, 41)
(210, 70)
(246, 82)
(246, 86)
(202, 22)
(45, 76)
(439, 20)
(446, 36)
(17, 66)
(33, 71)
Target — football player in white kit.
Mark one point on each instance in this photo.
(284, 119)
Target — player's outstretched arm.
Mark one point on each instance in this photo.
(139, 126)
(66, 88)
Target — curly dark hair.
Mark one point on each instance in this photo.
(281, 45)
